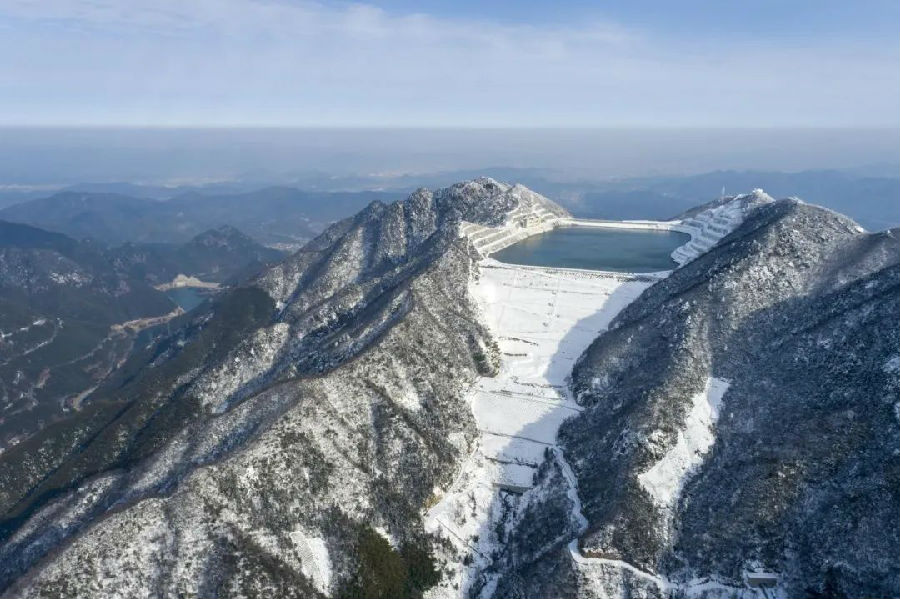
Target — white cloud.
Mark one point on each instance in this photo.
(265, 62)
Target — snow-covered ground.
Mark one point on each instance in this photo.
(542, 319)
(711, 225)
(314, 559)
(534, 214)
(665, 479)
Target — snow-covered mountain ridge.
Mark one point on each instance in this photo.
(305, 409)
(533, 214)
(711, 224)
(794, 314)
(376, 416)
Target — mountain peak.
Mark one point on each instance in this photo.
(484, 201)
(221, 236)
(758, 195)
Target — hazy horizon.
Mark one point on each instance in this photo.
(34, 156)
(274, 91)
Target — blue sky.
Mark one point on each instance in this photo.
(450, 64)
(864, 19)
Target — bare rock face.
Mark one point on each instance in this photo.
(284, 441)
(741, 416)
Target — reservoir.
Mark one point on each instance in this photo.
(188, 297)
(594, 248)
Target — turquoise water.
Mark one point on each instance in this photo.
(618, 250)
(187, 297)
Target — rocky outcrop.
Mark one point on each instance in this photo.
(741, 415)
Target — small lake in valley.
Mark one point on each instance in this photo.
(595, 248)
(188, 297)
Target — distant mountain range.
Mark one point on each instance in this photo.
(272, 216)
(218, 255)
(287, 217)
(870, 201)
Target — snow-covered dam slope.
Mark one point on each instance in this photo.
(542, 319)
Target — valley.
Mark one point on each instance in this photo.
(543, 319)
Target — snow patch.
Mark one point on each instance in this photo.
(249, 360)
(314, 561)
(711, 225)
(665, 479)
